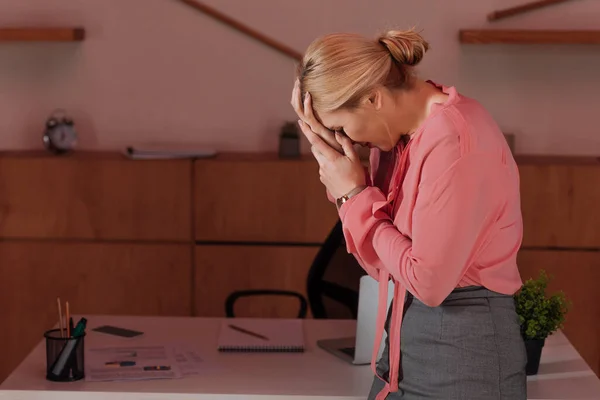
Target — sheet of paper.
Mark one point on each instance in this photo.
(130, 363)
(188, 360)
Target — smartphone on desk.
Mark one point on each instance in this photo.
(117, 331)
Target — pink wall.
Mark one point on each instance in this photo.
(156, 71)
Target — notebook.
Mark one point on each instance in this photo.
(261, 335)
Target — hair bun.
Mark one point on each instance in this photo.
(406, 47)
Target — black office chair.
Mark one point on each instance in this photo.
(331, 284)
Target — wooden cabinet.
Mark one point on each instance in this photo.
(560, 199)
(561, 204)
(577, 273)
(94, 197)
(95, 278)
(261, 199)
(176, 237)
(223, 269)
(107, 234)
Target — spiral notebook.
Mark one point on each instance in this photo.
(261, 335)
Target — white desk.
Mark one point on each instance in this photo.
(314, 375)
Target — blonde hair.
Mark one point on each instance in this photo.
(339, 69)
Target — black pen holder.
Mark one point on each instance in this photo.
(64, 356)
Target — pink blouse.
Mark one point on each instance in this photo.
(447, 215)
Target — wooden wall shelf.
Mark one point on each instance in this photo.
(42, 34)
(521, 36)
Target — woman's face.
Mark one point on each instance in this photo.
(382, 118)
(367, 124)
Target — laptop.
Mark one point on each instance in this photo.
(358, 349)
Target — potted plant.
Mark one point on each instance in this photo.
(539, 316)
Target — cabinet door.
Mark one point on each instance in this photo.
(125, 279)
(561, 205)
(221, 270)
(577, 273)
(95, 197)
(261, 200)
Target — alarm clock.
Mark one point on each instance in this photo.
(60, 136)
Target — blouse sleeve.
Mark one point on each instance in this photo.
(371, 271)
(454, 212)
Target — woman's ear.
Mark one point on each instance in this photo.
(375, 99)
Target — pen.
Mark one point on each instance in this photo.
(120, 363)
(157, 368)
(247, 332)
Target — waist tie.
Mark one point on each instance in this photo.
(394, 337)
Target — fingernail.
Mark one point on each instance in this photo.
(300, 123)
(307, 95)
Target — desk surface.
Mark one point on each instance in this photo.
(314, 374)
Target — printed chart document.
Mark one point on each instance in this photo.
(188, 360)
(134, 363)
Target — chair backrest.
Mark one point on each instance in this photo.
(333, 279)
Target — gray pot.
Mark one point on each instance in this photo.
(534, 353)
(289, 147)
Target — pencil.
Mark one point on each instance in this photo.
(67, 319)
(60, 318)
(247, 332)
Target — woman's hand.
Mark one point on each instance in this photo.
(306, 114)
(340, 173)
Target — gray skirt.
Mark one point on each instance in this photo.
(470, 347)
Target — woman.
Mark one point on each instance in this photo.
(438, 213)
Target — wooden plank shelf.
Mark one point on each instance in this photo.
(42, 34)
(521, 36)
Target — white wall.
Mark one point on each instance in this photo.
(159, 71)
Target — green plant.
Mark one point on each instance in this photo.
(539, 314)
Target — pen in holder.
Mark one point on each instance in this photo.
(64, 355)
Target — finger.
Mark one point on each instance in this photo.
(308, 111)
(315, 125)
(311, 120)
(325, 149)
(297, 99)
(310, 135)
(309, 116)
(347, 146)
(321, 159)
